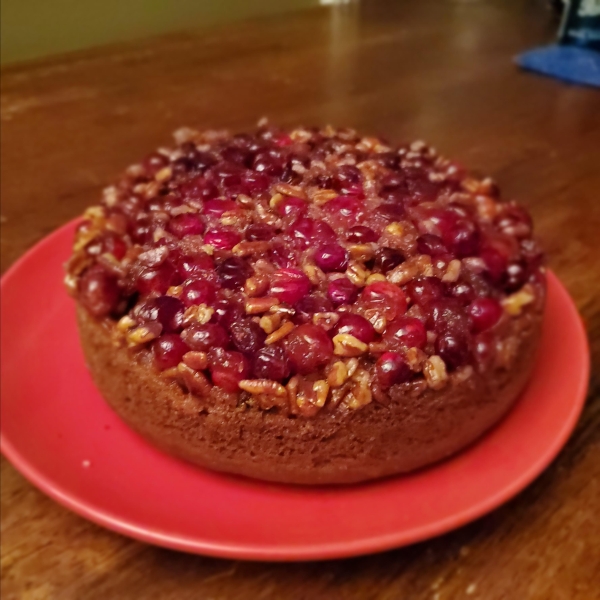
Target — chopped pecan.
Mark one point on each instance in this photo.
(196, 360)
(345, 344)
(337, 374)
(196, 382)
(435, 372)
(263, 386)
(280, 333)
(255, 306)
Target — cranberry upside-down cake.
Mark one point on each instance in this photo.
(306, 306)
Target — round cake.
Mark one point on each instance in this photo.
(308, 306)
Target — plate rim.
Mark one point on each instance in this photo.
(304, 551)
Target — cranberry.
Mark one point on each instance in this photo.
(168, 350)
(514, 221)
(355, 325)
(113, 244)
(495, 263)
(226, 312)
(463, 292)
(311, 304)
(485, 313)
(198, 292)
(204, 337)
(254, 183)
(218, 206)
(307, 231)
(169, 313)
(308, 348)
(463, 238)
(342, 291)
(227, 175)
(393, 181)
(233, 272)
(237, 156)
(447, 314)
(271, 362)
(391, 369)
(185, 224)
(292, 207)
(361, 235)
(431, 244)
(98, 291)
(331, 257)
(159, 279)
(198, 188)
(453, 349)
(259, 232)
(141, 231)
(265, 162)
(516, 276)
(387, 258)
(228, 368)
(223, 239)
(424, 290)
(290, 285)
(195, 266)
(247, 336)
(344, 211)
(392, 206)
(385, 298)
(405, 332)
(349, 181)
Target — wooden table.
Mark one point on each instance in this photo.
(433, 70)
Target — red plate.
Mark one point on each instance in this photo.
(58, 432)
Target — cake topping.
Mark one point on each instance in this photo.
(276, 254)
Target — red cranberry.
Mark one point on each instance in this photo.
(387, 258)
(431, 244)
(259, 232)
(227, 175)
(463, 292)
(311, 304)
(514, 221)
(223, 239)
(111, 243)
(198, 188)
(453, 349)
(495, 263)
(349, 181)
(393, 181)
(226, 311)
(228, 368)
(516, 276)
(292, 207)
(169, 313)
(463, 238)
(247, 336)
(168, 350)
(204, 337)
(385, 298)
(141, 231)
(344, 210)
(331, 257)
(391, 369)
(355, 325)
(216, 207)
(254, 183)
(361, 235)
(424, 290)
(271, 362)
(485, 313)
(265, 162)
(342, 291)
(158, 280)
(198, 292)
(447, 315)
(308, 231)
(185, 224)
(233, 272)
(290, 285)
(195, 266)
(405, 332)
(308, 348)
(238, 156)
(98, 291)
(392, 206)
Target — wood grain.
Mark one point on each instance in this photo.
(441, 71)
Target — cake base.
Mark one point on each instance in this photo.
(418, 427)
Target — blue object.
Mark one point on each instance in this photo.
(569, 63)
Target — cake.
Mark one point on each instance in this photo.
(308, 306)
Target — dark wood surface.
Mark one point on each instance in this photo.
(441, 71)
